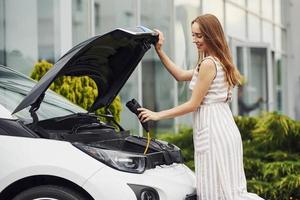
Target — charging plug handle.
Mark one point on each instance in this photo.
(133, 105)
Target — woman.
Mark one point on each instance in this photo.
(217, 141)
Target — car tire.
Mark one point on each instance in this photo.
(49, 192)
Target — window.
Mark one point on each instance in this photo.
(257, 76)
(267, 33)
(267, 9)
(113, 14)
(46, 35)
(252, 63)
(80, 21)
(254, 30)
(235, 21)
(277, 11)
(20, 53)
(277, 79)
(239, 2)
(215, 7)
(254, 5)
(32, 34)
(278, 41)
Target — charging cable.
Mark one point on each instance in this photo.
(148, 143)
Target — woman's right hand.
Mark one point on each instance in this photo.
(160, 41)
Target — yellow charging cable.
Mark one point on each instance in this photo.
(148, 143)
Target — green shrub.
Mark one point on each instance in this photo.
(263, 189)
(246, 126)
(280, 156)
(79, 90)
(253, 168)
(289, 186)
(275, 131)
(275, 170)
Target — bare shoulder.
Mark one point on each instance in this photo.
(207, 63)
(207, 66)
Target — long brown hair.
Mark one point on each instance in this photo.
(214, 38)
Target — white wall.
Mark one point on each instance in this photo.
(292, 68)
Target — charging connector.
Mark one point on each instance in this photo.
(133, 106)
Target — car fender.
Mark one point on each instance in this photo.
(27, 157)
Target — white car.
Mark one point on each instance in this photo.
(51, 149)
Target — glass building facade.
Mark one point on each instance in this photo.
(33, 30)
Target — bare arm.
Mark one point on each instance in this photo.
(178, 73)
(206, 75)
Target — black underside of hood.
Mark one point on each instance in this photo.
(108, 59)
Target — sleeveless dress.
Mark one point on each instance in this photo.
(218, 145)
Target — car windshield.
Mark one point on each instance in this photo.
(14, 87)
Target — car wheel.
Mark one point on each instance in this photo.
(48, 192)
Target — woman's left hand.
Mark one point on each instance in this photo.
(146, 115)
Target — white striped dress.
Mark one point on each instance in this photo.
(218, 145)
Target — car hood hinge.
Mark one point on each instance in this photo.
(34, 108)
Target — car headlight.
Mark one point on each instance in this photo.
(122, 161)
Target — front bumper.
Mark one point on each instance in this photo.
(172, 182)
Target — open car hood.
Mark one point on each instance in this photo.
(108, 59)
